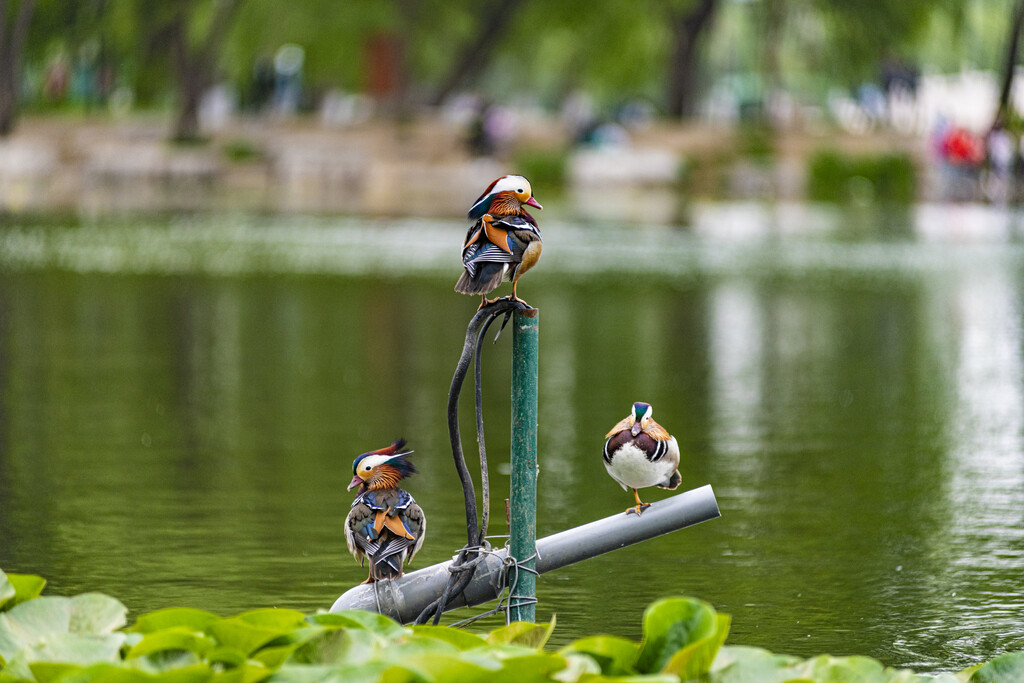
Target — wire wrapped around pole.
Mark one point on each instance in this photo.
(463, 566)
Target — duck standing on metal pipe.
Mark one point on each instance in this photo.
(504, 242)
(384, 523)
(639, 452)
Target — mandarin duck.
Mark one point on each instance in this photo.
(504, 242)
(638, 453)
(384, 522)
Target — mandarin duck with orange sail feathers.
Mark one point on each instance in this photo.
(639, 452)
(504, 242)
(384, 523)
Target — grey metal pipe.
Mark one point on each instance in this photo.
(403, 599)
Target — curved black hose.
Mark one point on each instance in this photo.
(475, 531)
(485, 486)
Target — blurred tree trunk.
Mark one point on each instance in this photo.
(12, 43)
(195, 61)
(687, 28)
(774, 20)
(409, 14)
(1010, 65)
(473, 58)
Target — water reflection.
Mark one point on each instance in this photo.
(185, 438)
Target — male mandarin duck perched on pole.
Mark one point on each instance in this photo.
(384, 521)
(639, 452)
(504, 242)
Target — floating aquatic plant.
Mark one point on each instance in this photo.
(84, 639)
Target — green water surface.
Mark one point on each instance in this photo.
(180, 403)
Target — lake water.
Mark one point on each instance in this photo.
(181, 400)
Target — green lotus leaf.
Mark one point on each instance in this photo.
(64, 648)
(7, 591)
(25, 586)
(303, 633)
(33, 622)
(5, 678)
(30, 622)
(165, 660)
(616, 656)
(696, 658)
(18, 666)
(46, 672)
(110, 673)
(499, 652)
(273, 618)
(246, 672)
(366, 673)
(577, 666)
(95, 613)
(228, 676)
(538, 666)
(194, 619)
(670, 625)
(371, 621)
(637, 678)
(276, 652)
(439, 667)
(523, 633)
(414, 645)
(241, 635)
(283, 645)
(253, 672)
(74, 648)
(333, 620)
(291, 673)
(274, 657)
(174, 638)
(741, 664)
(400, 674)
(349, 646)
(1008, 667)
(488, 657)
(462, 640)
(227, 656)
(826, 668)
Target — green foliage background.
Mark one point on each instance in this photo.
(616, 49)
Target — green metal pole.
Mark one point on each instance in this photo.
(523, 518)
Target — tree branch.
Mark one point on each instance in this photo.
(1010, 64)
(476, 55)
(21, 26)
(686, 29)
(218, 29)
(3, 27)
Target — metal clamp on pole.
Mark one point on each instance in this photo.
(404, 598)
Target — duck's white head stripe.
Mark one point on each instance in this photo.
(512, 183)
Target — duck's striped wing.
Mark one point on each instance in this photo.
(360, 536)
(388, 527)
(416, 523)
(476, 256)
(671, 459)
(476, 231)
